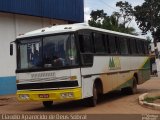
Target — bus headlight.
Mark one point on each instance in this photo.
(24, 97)
(67, 95)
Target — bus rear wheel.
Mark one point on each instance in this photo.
(47, 104)
(134, 86)
(131, 90)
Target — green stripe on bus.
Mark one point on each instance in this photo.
(126, 84)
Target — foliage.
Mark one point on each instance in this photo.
(118, 21)
(149, 39)
(148, 17)
(126, 12)
(96, 18)
(151, 99)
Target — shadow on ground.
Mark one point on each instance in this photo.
(80, 104)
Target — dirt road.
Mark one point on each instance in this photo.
(112, 103)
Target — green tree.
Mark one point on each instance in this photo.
(148, 19)
(147, 16)
(100, 19)
(157, 34)
(96, 18)
(148, 38)
(126, 12)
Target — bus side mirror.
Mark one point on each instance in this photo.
(11, 49)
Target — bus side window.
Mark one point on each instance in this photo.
(86, 48)
(140, 46)
(143, 47)
(112, 44)
(133, 46)
(106, 42)
(99, 43)
(129, 46)
(117, 45)
(85, 43)
(123, 46)
(146, 49)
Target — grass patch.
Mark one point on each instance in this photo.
(151, 99)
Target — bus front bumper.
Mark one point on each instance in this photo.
(50, 95)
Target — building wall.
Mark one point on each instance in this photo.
(11, 25)
(71, 10)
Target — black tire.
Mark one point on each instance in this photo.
(92, 101)
(131, 90)
(47, 104)
(134, 86)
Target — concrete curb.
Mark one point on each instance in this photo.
(146, 104)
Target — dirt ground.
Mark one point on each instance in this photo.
(112, 103)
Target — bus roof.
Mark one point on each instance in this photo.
(70, 28)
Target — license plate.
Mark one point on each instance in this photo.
(43, 95)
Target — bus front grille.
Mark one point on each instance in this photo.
(47, 85)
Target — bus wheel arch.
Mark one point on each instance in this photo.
(97, 90)
(99, 85)
(133, 88)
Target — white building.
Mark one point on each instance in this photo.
(18, 17)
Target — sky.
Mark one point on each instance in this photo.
(109, 6)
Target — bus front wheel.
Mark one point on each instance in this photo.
(92, 101)
(47, 104)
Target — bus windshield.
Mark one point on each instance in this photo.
(45, 52)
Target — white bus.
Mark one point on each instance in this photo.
(76, 61)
